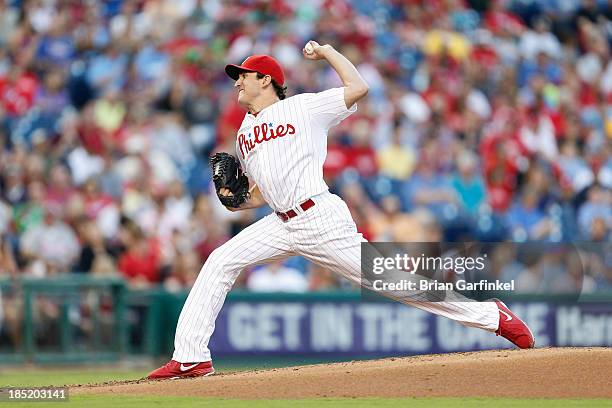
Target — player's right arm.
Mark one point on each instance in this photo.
(355, 87)
(255, 200)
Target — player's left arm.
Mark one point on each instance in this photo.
(255, 200)
(355, 87)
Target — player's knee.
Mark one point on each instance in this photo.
(219, 259)
(214, 259)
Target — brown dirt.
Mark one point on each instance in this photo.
(544, 373)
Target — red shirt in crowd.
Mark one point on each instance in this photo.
(229, 122)
(142, 260)
(361, 158)
(17, 95)
(500, 153)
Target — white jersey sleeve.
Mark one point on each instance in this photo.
(328, 108)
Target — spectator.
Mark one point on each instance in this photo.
(184, 272)
(101, 208)
(52, 99)
(540, 39)
(275, 277)
(321, 279)
(59, 188)
(8, 265)
(107, 71)
(30, 214)
(391, 224)
(109, 111)
(5, 217)
(396, 161)
(555, 273)
(207, 231)
(430, 189)
(56, 46)
(177, 208)
(110, 182)
(152, 63)
(600, 230)
(529, 279)
(199, 108)
(538, 136)
(574, 167)
(9, 17)
(14, 189)
(597, 207)
(140, 264)
(92, 248)
(359, 205)
(526, 221)
(10, 305)
(50, 247)
(579, 273)
(468, 184)
(18, 89)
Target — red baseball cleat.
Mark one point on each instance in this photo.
(512, 328)
(173, 369)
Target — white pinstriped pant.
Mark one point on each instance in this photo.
(324, 234)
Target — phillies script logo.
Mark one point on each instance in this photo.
(263, 133)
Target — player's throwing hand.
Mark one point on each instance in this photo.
(313, 51)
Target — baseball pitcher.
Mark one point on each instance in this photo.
(281, 146)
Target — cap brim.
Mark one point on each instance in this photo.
(233, 71)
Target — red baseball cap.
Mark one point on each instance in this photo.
(264, 64)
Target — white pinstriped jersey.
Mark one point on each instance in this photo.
(283, 147)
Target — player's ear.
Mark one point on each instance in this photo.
(267, 80)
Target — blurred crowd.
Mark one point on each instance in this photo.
(486, 120)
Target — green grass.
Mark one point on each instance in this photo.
(14, 378)
(10, 377)
(39, 376)
(31, 378)
(188, 402)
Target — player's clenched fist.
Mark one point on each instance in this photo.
(313, 51)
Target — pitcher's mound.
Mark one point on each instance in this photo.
(544, 373)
